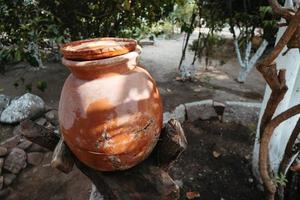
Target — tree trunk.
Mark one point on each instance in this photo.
(248, 65)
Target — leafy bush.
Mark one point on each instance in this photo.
(25, 28)
(31, 29)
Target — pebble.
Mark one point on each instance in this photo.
(15, 161)
(3, 151)
(11, 142)
(41, 121)
(25, 144)
(52, 116)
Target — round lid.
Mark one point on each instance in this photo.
(97, 48)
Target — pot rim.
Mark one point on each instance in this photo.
(113, 47)
(103, 62)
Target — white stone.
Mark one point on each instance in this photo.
(4, 102)
(27, 106)
(166, 117)
(179, 113)
(95, 194)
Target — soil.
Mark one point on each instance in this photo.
(227, 177)
(217, 162)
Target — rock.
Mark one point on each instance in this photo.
(3, 151)
(9, 178)
(35, 158)
(11, 142)
(1, 182)
(4, 102)
(166, 117)
(244, 113)
(15, 161)
(27, 106)
(48, 125)
(180, 113)
(17, 130)
(57, 132)
(25, 144)
(41, 121)
(95, 194)
(1, 164)
(52, 116)
(203, 110)
(36, 148)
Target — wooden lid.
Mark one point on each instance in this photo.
(97, 48)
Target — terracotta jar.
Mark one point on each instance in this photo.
(110, 110)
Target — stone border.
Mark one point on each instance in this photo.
(240, 112)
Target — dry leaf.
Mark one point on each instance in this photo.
(216, 154)
(192, 195)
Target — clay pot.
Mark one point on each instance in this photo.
(110, 111)
(97, 48)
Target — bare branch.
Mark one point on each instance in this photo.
(286, 13)
(288, 153)
(264, 147)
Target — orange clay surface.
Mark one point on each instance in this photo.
(97, 48)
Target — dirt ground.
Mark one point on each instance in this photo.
(227, 176)
(217, 162)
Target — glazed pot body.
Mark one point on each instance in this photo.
(110, 112)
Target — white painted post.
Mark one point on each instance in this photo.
(290, 62)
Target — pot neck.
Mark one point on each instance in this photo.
(94, 69)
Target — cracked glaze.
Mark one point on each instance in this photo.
(111, 119)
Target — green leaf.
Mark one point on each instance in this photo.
(42, 85)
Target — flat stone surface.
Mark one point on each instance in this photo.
(166, 117)
(3, 151)
(27, 106)
(35, 158)
(15, 161)
(179, 113)
(9, 178)
(25, 144)
(246, 114)
(200, 110)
